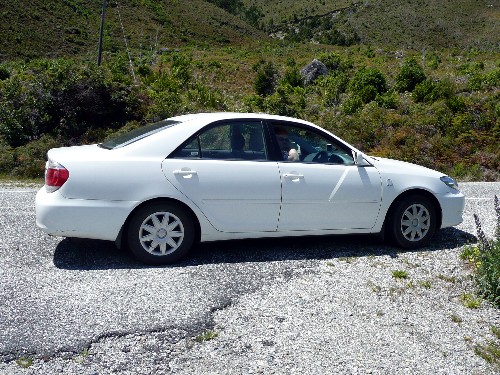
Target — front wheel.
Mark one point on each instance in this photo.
(160, 233)
(412, 222)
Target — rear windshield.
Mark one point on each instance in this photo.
(136, 134)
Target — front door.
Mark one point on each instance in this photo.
(323, 196)
(322, 188)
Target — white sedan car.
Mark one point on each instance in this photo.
(218, 176)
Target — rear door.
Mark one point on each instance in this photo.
(225, 171)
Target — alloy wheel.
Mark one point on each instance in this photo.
(415, 222)
(161, 233)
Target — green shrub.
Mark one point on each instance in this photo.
(231, 6)
(475, 82)
(432, 60)
(466, 172)
(63, 98)
(430, 91)
(471, 68)
(332, 86)
(352, 104)
(286, 101)
(409, 76)
(477, 79)
(387, 100)
(254, 103)
(253, 15)
(367, 83)
(265, 82)
(182, 69)
(4, 72)
(165, 104)
(334, 61)
(292, 75)
(487, 261)
(492, 79)
(456, 104)
(461, 123)
(7, 159)
(207, 97)
(29, 160)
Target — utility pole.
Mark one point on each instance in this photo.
(101, 32)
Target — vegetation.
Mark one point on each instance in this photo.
(24, 362)
(490, 351)
(426, 23)
(470, 301)
(436, 105)
(206, 336)
(67, 28)
(485, 258)
(400, 274)
(450, 121)
(425, 284)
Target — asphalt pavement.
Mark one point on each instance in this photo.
(295, 305)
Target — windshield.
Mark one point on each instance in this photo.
(136, 134)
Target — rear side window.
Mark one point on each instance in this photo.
(136, 134)
(239, 140)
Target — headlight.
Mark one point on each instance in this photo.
(450, 182)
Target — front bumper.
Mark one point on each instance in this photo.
(452, 208)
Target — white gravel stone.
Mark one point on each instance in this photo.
(292, 306)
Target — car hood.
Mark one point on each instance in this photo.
(403, 167)
(404, 176)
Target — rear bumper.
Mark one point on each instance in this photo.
(84, 218)
(452, 207)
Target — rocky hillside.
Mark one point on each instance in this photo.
(50, 28)
(393, 23)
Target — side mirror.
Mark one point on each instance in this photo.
(359, 159)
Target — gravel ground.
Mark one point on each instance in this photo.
(305, 305)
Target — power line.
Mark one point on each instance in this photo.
(126, 43)
(101, 32)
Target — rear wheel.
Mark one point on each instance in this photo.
(160, 233)
(412, 222)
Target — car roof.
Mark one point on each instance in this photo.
(216, 116)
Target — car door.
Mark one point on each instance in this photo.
(225, 171)
(323, 189)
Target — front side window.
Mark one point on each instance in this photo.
(239, 140)
(299, 144)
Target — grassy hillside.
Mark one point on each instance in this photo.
(400, 24)
(42, 28)
(51, 28)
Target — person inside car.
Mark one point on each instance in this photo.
(288, 153)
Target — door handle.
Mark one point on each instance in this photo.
(293, 176)
(183, 172)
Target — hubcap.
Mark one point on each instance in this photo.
(161, 233)
(415, 222)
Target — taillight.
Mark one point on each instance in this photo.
(55, 176)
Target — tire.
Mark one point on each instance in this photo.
(160, 233)
(412, 222)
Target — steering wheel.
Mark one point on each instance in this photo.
(320, 157)
(335, 159)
